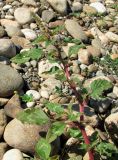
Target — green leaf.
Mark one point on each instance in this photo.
(56, 130)
(43, 149)
(60, 76)
(58, 29)
(53, 107)
(20, 58)
(74, 49)
(33, 54)
(27, 98)
(76, 133)
(53, 70)
(41, 38)
(33, 116)
(98, 87)
(106, 149)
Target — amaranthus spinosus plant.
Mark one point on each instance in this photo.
(63, 118)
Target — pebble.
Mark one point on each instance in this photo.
(7, 48)
(99, 7)
(7, 22)
(77, 7)
(35, 94)
(95, 52)
(29, 34)
(75, 30)
(10, 81)
(89, 10)
(6, 7)
(13, 154)
(98, 34)
(30, 104)
(23, 15)
(115, 90)
(13, 106)
(47, 16)
(84, 56)
(29, 2)
(44, 94)
(27, 135)
(112, 36)
(59, 5)
(50, 84)
(13, 31)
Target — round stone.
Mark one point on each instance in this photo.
(10, 81)
(23, 15)
(7, 48)
(34, 94)
(13, 154)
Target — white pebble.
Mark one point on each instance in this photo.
(99, 7)
(44, 94)
(30, 104)
(29, 34)
(13, 154)
(35, 94)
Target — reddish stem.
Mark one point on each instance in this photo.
(82, 104)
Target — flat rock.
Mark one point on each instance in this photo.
(50, 84)
(59, 5)
(13, 107)
(13, 31)
(75, 30)
(7, 48)
(21, 41)
(26, 137)
(23, 15)
(8, 22)
(10, 81)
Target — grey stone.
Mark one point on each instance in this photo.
(47, 15)
(29, 2)
(13, 107)
(7, 48)
(13, 31)
(10, 81)
(23, 15)
(59, 5)
(23, 136)
(75, 30)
